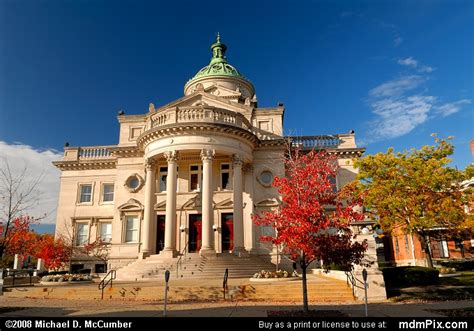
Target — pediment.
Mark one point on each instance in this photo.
(204, 98)
(222, 91)
(269, 202)
(160, 205)
(224, 204)
(193, 203)
(130, 205)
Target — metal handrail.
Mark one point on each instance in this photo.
(224, 284)
(179, 262)
(352, 280)
(14, 272)
(103, 284)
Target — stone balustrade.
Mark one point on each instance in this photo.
(317, 142)
(205, 114)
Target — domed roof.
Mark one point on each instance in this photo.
(218, 65)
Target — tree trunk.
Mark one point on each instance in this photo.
(305, 288)
(426, 249)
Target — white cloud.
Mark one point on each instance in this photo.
(397, 87)
(397, 117)
(411, 62)
(452, 107)
(38, 163)
(399, 106)
(397, 41)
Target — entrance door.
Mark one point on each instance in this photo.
(195, 228)
(160, 233)
(227, 221)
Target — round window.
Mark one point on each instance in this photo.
(134, 183)
(266, 178)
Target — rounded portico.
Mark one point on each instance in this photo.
(201, 129)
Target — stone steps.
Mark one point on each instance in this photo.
(193, 266)
(318, 291)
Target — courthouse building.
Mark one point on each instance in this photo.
(186, 176)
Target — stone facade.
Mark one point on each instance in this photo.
(186, 176)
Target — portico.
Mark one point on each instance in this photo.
(172, 244)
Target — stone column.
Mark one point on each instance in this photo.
(238, 205)
(207, 246)
(170, 220)
(149, 212)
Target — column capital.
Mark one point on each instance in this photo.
(248, 168)
(237, 160)
(207, 154)
(171, 156)
(150, 164)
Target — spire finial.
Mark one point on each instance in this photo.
(218, 49)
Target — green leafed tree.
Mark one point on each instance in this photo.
(417, 191)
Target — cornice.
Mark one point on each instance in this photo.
(86, 164)
(126, 151)
(179, 129)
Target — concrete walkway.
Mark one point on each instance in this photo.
(24, 307)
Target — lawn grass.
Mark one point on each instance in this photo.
(465, 279)
(448, 288)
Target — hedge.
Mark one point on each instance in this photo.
(409, 276)
(459, 265)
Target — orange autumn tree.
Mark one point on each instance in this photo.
(312, 223)
(21, 239)
(54, 252)
(417, 190)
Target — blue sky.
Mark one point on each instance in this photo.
(395, 72)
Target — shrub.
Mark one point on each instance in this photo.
(272, 274)
(66, 278)
(410, 276)
(459, 265)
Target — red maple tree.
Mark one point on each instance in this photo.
(312, 223)
(21, 239)
(54, 252)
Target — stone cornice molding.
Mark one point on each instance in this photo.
(86, 164)
(191, 128)
(126, 151)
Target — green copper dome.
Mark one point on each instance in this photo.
(218, 65)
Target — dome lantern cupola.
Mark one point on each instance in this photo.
(220, 73)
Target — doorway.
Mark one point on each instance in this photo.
(160, 233)
(227, 221)
(195, 232)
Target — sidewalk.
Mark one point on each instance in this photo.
(24, 307)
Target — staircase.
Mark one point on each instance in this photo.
(193, 266)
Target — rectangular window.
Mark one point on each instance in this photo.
(443, 245)
(407, 247)
(195, 177)
(397, 247)
(131, 229)
(82, 234)
(264, 125)
(106, 231)
(108, 192)
(85, 193)
(162, 176)
(225, 176)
